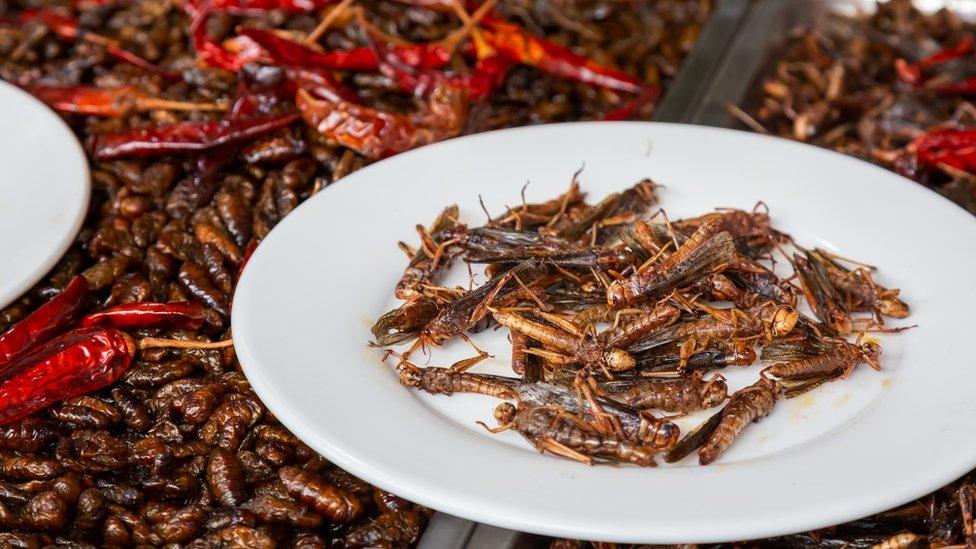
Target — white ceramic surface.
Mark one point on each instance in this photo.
(304, 306)
(44, 190)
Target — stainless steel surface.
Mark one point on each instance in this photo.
(492, 537)
(765, 24)
(446, 532)
(702, 62)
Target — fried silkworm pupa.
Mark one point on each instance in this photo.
(282, 511)
(327, 500)
(235, 536)
(182, 526)
(27, 435)
(393, 529)
(226, 478)
(15, 467)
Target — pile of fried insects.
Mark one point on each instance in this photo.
(676, 300)
(894, 88)
(206, 123)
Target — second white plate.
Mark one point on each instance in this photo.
(43, 190)
(304, 306)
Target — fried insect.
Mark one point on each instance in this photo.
(556, 431)
(395, 528)
(653, 363)
(842, 357)
(641, 427)
(680, 395)
(282, 511)
(578, 348)
(752, 231)
(447, 381)
(765, 320)
(656, 286)
(821, 295)
(405, 322)
(327, 500)
(27, 435)
(471, 306)
(751, 403)
(226, 478)
(707, 250)
(430, 256)
(858, 287)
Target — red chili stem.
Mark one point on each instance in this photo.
(86, 99)
(74, 363)
(180, 314)
(185, 137)
(47, 321)
(113, 102)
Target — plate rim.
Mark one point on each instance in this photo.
(67, 238)
(290, 417)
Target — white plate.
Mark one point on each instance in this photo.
(43, 190)
(311, 291)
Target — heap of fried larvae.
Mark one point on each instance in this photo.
(617, 314)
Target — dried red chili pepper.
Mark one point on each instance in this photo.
(488, 74)
(256, 7)
(521, 46)
(912, 72)
(179, 314)
(371, 132)
(115, 102)
(74, 363)
(378, 134)
(184, 137)
(956, 148)
(70, 30)
(47, 321)
(964, 87)
(432, 55)
(321, 83)
(215, 54)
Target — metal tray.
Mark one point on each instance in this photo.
(723, 68)
(685, 92)
(701, 64)
(764, 26)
